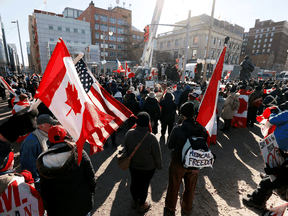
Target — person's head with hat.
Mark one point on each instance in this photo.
(151, 94)
(187, 110)
(143, 119)
(23, 97)
(57, 134)
(45, 122)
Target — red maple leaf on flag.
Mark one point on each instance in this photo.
(243, 106)
(72, 99)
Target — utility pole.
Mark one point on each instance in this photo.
(186, 47)
(208, 42)
(20, 44)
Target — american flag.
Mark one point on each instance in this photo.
(104, 102)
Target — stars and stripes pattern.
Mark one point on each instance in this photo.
(105, 103)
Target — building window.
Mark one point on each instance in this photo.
(120, 39)
(262, 30)
(68, 41)
(103, 27)
(142, 38)
(120, 30)
(269, 45)
(96, 16)
(106, 45)
(112, 38)
(265, 40)
(214, 40)
(76, 42)
(273, 28)
(245, 39)
(161, 44)
(75, 30)
(59, 28)
(120, 46)
(51, 39)
(82, 31)
(50, 27)
(257, 51)
(112, 54)
(83, 42)
(97, 35)
(268, 50)
(120, 55)
(253, 51)
(67, 29)
(134, 37)
(112, 29)
(138, 38)
(271, 39)
(259, 41)
(120, 21)
(106, 53)
(263, 50)
(272, 34)
(212, 54)
(102, 36)
(267, 35)
(112, 46)
(195, 40)
(258, 46)
(260, 36)
(176, 44)
(255, 41)
(219, 42)
(257, 31)
(256, 36)
(168, 43)
(97, 26)
(264, 45)
(112, 20)
(268, 29)
(254, 46)
(103, 18)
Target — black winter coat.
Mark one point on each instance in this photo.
(168, 110)
(67, 190)
(133, 105)
(184, 97)
(152, 107)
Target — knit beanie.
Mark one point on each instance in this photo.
(143, 119)
(6, 156)
(19, 124)
(187, 109)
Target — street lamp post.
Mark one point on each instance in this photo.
(104, 36)
(186, 47)
(20, 43)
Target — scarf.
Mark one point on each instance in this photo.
(42, 138)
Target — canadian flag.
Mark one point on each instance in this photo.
(207, 111)
(227, 76)
(268, 91)
(128, 72)
(240, 116)
(62, 92)
(120, 68)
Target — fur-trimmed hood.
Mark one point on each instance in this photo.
(55, 172)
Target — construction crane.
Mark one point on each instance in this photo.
(146, 59)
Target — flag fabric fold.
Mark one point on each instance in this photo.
(7, 86)
(61, 91)
(120, 68)
(207, 111)
(105, 103)
(227, 76)
(240, 116)
(128, 72)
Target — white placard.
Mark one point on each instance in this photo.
(149, 84)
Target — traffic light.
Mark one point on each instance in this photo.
(146, 33)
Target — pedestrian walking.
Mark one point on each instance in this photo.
(144, 162)
(151, 106)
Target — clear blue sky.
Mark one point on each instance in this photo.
(241, 12)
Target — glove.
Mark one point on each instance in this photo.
(27, 176)
(21, 123)
(270, 171)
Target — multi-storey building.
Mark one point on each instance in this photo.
(126, 42)
(45, 28)
(13, 58)
(4, 60)
(174, 41)
(266, 44)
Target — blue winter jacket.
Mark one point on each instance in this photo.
(281, 131)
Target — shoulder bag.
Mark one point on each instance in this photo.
(124, 160)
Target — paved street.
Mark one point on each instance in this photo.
(219, 190)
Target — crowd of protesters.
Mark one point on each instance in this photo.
(49, 157)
